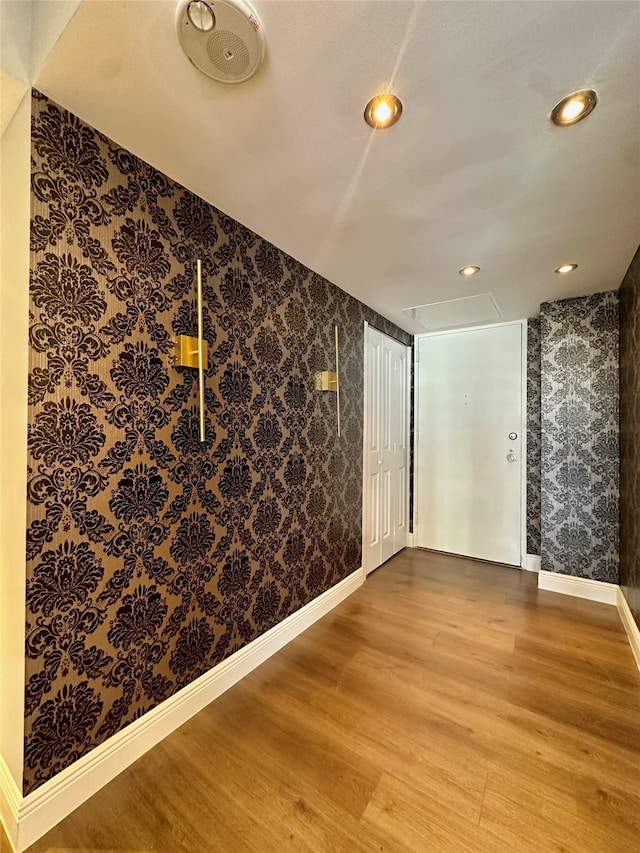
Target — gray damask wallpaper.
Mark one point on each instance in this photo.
(153, 556)
(533, 436)
(630, 436)
(579, 394)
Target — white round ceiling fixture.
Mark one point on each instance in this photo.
(222, 38)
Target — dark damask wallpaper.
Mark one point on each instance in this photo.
(151, 556)
(630, 436)
(533, 436)
(580, 484)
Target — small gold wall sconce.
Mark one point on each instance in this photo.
(327, 380)
(187, 350)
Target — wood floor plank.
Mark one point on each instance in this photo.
(400, 746)
(448, 706)
(421, 825)
(516, 805)
(592, 673)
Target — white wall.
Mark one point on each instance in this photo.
(29, 30)
(15, 55)
(14, 332)
(15, 35)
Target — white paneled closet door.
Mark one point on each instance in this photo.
(386, 448)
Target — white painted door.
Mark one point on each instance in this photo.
(399, 401)
(469, 443)
(386, 451)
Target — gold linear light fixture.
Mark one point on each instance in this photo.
(192, 352)
(566, 268)
(383, 111)
(574, 107)
(329, 380)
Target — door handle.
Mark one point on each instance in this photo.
(379, 461)
(511, 457)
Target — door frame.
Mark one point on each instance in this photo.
(523, 422)
(409, 518)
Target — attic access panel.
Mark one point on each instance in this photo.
(453, 313)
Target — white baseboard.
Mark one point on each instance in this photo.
(28, 818)
(532, 563)
(10, 798)
(410, 540)
(607, 593)
(630, 625)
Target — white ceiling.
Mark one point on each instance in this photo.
(473, 173)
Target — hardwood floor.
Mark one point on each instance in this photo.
(448, 705)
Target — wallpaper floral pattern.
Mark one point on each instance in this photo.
(153, 556)
(534, 437)
(630, 436)
(580, 469)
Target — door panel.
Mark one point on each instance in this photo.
(400, 408)
(400, 532)
(374, 515)
(386, 448)
(401, 399)
(387, 520)
(372, 540)
(468, 469)
(385, 407)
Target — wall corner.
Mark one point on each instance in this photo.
(14, 337)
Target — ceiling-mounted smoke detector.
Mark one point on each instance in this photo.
(222, 38)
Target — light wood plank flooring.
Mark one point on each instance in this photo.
(448, 705)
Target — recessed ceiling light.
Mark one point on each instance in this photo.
(574, 107)
(383, 111)
(566, 268)
(470, 270)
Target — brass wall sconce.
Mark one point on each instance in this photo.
(329, 380)
(193, 352)
(326, 380)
